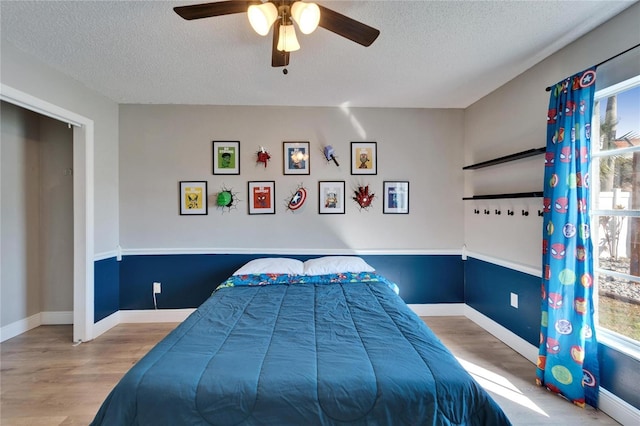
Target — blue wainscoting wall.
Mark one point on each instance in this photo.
(188, 280)
(488, 288)
(106, 292)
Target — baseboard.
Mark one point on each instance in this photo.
(56, 318)
(18, 327)
(438, 309)
(613, 406)
(509, 338)
(106, 324)
(155, 315)
(616, 408)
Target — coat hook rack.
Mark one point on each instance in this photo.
(525, 213)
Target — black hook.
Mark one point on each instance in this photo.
(525, 213)
(510, 212)
(498, 212)
(486, 211)
(540, 212)
(476, 211)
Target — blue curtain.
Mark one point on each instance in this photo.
(568, 359)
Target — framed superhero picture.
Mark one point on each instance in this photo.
(226, 157)
(193, 197)
(396, 197)
(296, 158)
(364, 158)
(261, 197)
(331, 198)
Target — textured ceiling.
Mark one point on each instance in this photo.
(430, 54)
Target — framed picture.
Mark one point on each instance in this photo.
(396, 197)
(261, 197)
(364, 158)
(331, 199)
(226, 157)
(296, 158)
(193, 197)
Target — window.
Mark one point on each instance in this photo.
(615, 212)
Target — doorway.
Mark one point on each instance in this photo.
(83, 190)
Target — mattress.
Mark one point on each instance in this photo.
(277, 349)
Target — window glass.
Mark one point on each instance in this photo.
(615, 208)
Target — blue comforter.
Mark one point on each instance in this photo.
(329, 350)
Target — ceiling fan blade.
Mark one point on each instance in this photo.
(278, 58)
(347, 27)
(207, 10)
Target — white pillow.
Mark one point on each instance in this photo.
(335, 265)
(271, 265)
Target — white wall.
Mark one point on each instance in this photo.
(56, 215)
(513, 119)
(162, 145)
(19, 225)
(29, 75)
(37, 215)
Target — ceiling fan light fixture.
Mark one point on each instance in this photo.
(287, 40)
(261, 17)
(306, 15)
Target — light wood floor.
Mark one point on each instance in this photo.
(46, 380)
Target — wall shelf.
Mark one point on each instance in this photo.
(506, 158)
(512, 195)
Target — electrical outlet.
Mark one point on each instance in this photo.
(157, 287)
(514, 300)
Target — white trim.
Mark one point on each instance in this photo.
(617, 408)
(18, 327)
(56, 318)
(153, 315)
(106, 324)
(83, 203)
(105, 255)
(619, 343)
(438, 309)
(26, 101)
(507, 264)
(508, 337)
(83, 215)
(283, 251)
(617, 88)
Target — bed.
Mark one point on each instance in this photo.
(324, 342)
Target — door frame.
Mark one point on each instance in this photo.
(83, 204)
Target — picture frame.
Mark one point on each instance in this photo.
(296, 158)
(364, 158)
(226, 157)
(193, 197)
(331, 197)
(262, 197)
(395, 197)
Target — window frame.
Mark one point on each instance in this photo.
(617, 341)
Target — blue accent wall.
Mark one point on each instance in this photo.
(106, 299)
(620, 374)
(188, 280)
(488, 288)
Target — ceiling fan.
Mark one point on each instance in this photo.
(262, 15)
